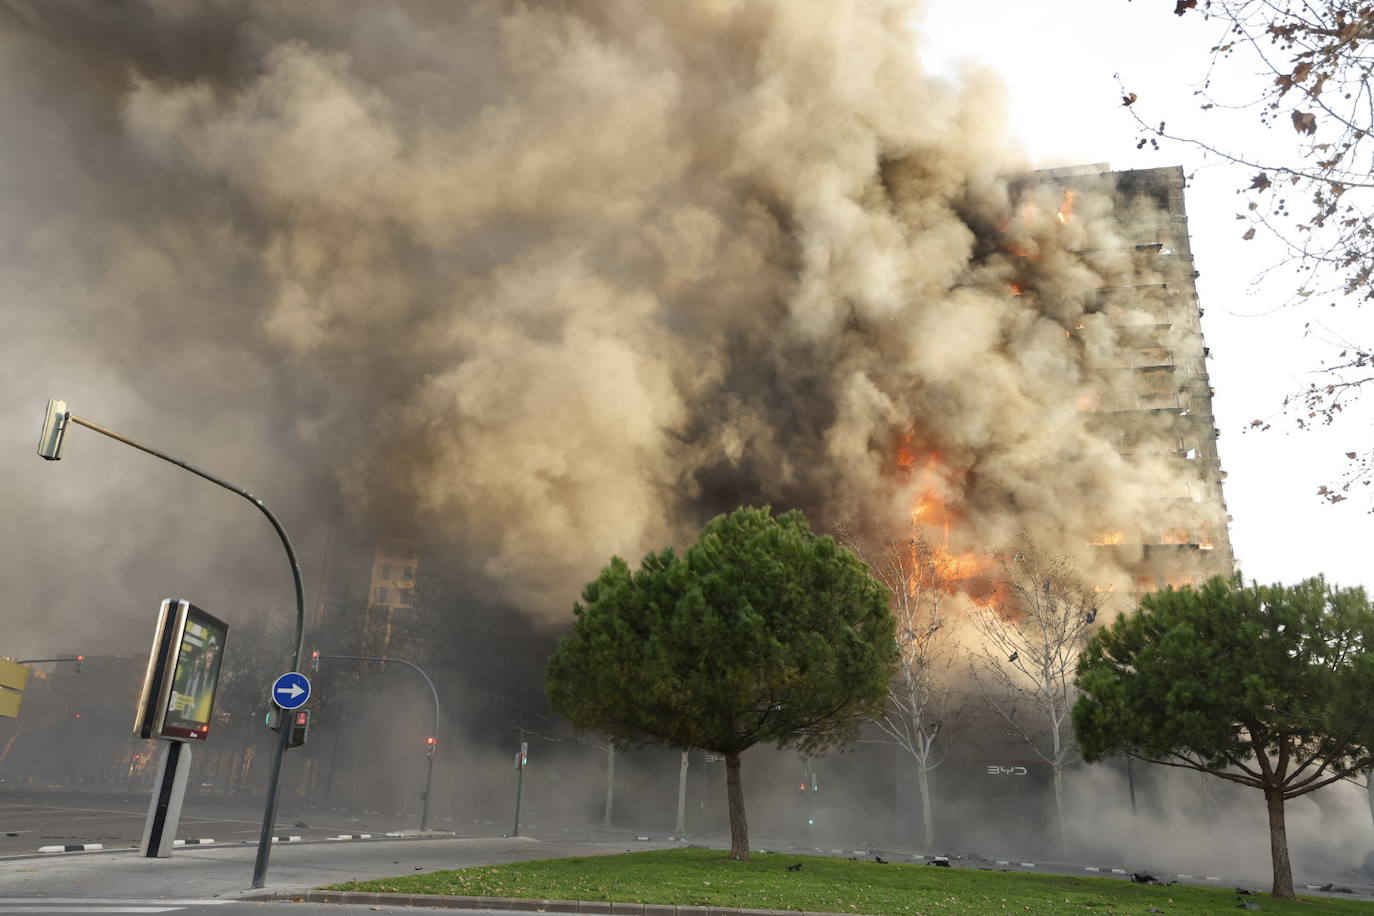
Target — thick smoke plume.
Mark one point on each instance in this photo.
(545, 281)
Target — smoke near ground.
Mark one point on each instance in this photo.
(545, 281)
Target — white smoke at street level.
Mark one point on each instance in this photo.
(551, 281)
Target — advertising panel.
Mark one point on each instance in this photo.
(191, 699)
(178, 695)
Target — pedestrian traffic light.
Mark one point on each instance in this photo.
(300, 727)
(79, 660)
(315, 661)
(273, 717)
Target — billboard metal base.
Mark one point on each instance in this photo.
(164, 810)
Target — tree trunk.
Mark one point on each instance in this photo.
(610, 785)
(680, 829)
(1369, 791)
(927, 816)
(1059, 806)
(734, 795)
(1278, 847)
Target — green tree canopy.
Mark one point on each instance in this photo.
(1267, 686)
(761, 631)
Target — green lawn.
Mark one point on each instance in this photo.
(706, 877)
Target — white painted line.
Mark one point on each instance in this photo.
(1003, 862)
(1210, 878)
(1186, 877)
(88, 909)
(918, 857)
(1118, 871)
(1091, 868)
(395, 833)
(1027, 864)
(117, 901)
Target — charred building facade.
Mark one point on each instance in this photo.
(1154, 399)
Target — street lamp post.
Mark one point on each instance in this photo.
(50, 447)
(432, 747)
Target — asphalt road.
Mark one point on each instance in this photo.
(31, 820)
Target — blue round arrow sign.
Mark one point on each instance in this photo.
(291, 690)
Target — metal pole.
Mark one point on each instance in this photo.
(279, 753)
(519, 789)
(432, 750)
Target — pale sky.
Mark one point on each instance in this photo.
(1059, 63)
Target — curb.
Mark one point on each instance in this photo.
(78, 847)
(596, 907)
(200, 842)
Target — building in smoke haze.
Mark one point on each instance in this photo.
(1152, 396)
(394, 564)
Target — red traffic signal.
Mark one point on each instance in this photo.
(431, 740)
(79, 660)
(315, 661)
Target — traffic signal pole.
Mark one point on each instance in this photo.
(432, 745)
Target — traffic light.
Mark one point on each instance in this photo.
(300, 727)
(431, 745)
(273, 717)
(79, 660)
(315, 661)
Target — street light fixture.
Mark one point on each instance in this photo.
(50, 447)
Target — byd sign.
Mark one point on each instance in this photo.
(998, 770)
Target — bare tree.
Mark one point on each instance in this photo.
(1032, 631)
(920, 579)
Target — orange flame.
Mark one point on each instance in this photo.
(1065, 213)
(931, 510)
(1107, 538)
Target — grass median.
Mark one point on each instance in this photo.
(773, 881)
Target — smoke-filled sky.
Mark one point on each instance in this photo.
(537, 283)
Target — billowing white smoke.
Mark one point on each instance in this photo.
(548, 281)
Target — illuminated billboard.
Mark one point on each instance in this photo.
(178, 695)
